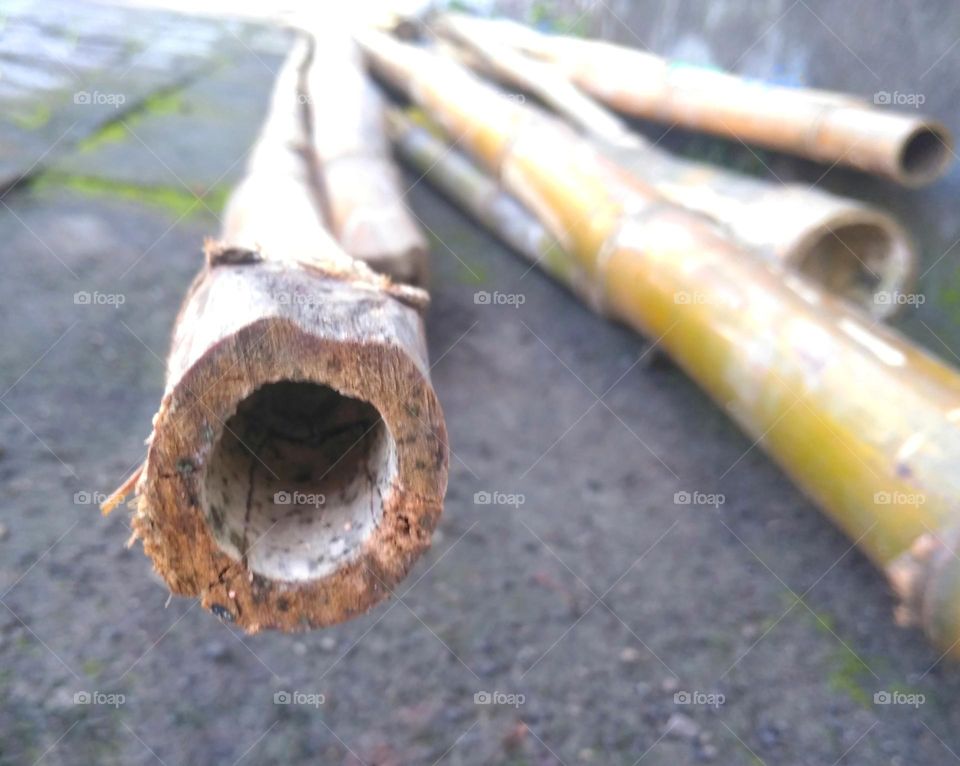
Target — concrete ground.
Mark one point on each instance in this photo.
(607, 624)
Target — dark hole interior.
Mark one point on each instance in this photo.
(296, 480)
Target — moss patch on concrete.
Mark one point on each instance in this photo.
(176, 201)
(34, 118)
(162, 102)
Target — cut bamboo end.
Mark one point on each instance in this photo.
(926, 154)
(858, 254)
(926, 577)
(298, 461)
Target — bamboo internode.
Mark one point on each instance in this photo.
(832, 128)
(863, 421)
(298, 460)
(852, 249)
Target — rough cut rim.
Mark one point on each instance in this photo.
(171, 520)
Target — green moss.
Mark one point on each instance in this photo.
(852, 677)
(176, 201)
(472, 273)
(35, 118)
(163, 102)
(111, 133)
(949, 293)
(92, 668)
(543, 14)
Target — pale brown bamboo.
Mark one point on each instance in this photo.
(825, 126)
(298, 460)
(366, 198)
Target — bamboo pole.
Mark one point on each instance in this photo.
(864, 422)
(477, 194)
(852, 249)
(298, 460)
(366, 208)
(828, 127)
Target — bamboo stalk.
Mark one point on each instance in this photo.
(367, 213)
(863, 421)
(477, 194)
(298, 461)
(850, 248)
(825, 126)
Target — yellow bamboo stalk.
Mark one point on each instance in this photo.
(477, 193)
(863, 421)
(852, 249)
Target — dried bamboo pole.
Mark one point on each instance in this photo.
(825, 126)
(852, 249)
(367, 213)
(298, 460)
(863, 421)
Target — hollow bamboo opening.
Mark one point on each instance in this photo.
(925, 153)
(864, 259)
(296, 480)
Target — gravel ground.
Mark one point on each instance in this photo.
(580, 617)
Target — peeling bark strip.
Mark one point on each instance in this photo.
(298, 461)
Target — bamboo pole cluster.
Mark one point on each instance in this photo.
(863, 421)
(298, 460)
(851, 248)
